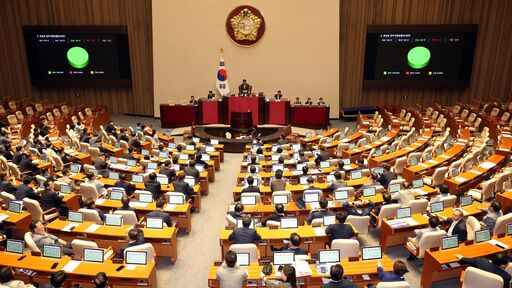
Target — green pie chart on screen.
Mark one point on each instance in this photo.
(418, 57)
(78, 57)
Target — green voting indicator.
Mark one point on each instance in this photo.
(78, 57)
(418, 57)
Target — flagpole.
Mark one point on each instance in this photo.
(221, 52)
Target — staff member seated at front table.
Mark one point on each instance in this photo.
(245, 234)
(41, 238)
(210, 95)
(278, 95)
(192, 100)
(320, 101)
(308, 101)
(297, 101)
(244, 89)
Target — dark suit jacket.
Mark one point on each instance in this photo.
(278, 96)
(16, 159)
(388, 276)
(170, 173)
(98, 162)
(109, 128)
(8, 155)
(100, 213)
(460, 229)
(162, 215)
(386, 177)
(27, 165)
(323, 156)
(251, 189)
(128, 208)
(486, 265)
(318, 214)
(276, 217)
(339, 231)
(128, 187)
(8, 187)
(128, 156)
(296, 251)
(352, 210)
(25, 191)
(154, 187)
(50, 199)
(183, 187)
(244, 236)
(191, 171)
(139, 241)
(344, 283)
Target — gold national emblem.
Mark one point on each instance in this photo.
(245, 25)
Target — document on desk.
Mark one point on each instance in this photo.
(3, 217)
(71, 266)
(409, 148)
(475, 171)
(432, 162)
(92, 228)
(70, 226)
(445, 156)
(498, 243)
(460, 179)
(385, 138)
(487, 165)
(296, 172)
(303, 268)
(423, 165)
(319, 231)
(169, 207)
(411, 221)
(138, 204)
(100, 201)
(130, 267)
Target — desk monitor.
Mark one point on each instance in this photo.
(137, 178)
(296, 147)
(93, 255)
(131, 163)
(283, 258)
(329, 256)
(176, 167)
(392, 148)
(325, 164)
(280, 199)
(41, 184)
(209, 149)
(403, 212)
(428, 157)
(346, 162)
(75, 168)
(330, 178)
(371, 253)
(205, 157)
(65, 189)
(466, 200)
(436, 207)
(454, 172)
(303, 180)
(190, 148)
(15, 246)
(403, 144)
(196, 139)
(363, 142)
(214, 141)
(94, 171)
(154, 223)
(417, 184)
(342, 135)
(190, 181)
(468, 165)
(248, 200)
(370, 191)
(15, 206)
(329, 220)
(113, 159)
(328, 140)
(378, 170)
(275, 157)
(309, 135)
(171, 146)
(378, 153)
(118, 145)
(145, 198)
(341, 195)
(144, 152)
(163, 180)
(449, 242)
(311, 197)
(393, 188)
(163, 155)
(482, 235)
(113, 220)
(176, 199)
(300, 166)
(357, 174)
(152, 165)
(351, 146)
(413, 161)
(183, 156)
(276, 167)
(52, 251)
(113, 176)
(84, 150)
(509, 229)
(239, 223)
(136, 257)
(44, 157)
(243, 258)
(289, 223)
(74, 216)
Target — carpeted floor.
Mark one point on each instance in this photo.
(198, 250)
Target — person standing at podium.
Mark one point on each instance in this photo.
(244, 89)
(278, 96)
(210, 95)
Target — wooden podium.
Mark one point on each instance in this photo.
(241, 120)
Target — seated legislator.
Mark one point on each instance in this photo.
(404, 195)
(129, 155)
(192, 100)
(26, 164)
(496, 265)
(278, 95)
(321, 212)
(91, 180)
(210, 95)
(159, 213)
(386, 200)
(128, 187)
(100, 280)
(251, 187)
(339, 230)
(373, 181)
(125, 200)
(387, 176)
(492, 213)
(25, 191)
(320, 101)
(293, 245)
(337, 280)
(50, 199)
(278, 184)
(360, 164)
(457, 226)
(337, 183)
(57, 280)
(433, 223)
(238, 213)
(181, 186)
(6, 184)
(41, 238)
(297, 101)
(7, 279)
(199, 160)
(244, 89)
(135, 238)
(191, 170)
(323, 156)
(275, 217)
(153, 186)
(229, 274)
(98, 162)
(91, 205)
(288, 279)
(399, 270)
(245, 234)
(302, 158)
(358, 208)
(66, 178)
(308, 101)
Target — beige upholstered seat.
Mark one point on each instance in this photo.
(6, 198)
(79, 246)
(501, 224)
(427, 241)
(486, 192)
(251, 248)
(37, 213)
(30, 244)
(231, 220)
(437, 178)
(400, 284)
(348, 247)
(418, 206)
(148, 248)
(88, 191)
(361, 223)
(94, 152)
(449, 201)
(90, 215)
(387, 211)
(129, 217)
(472, 225)
(477, 278)
(399, 165)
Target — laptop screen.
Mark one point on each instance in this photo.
(113, 160)
(145, 198)
(65, 189)
(330, 178)
(436, 207)
(454, 172)
(137, 178)
(482, 235)
(209, 149)
(205, 157)
(163, 155)
(428, 157)
(243, 259)
(248, 200)
(190, 148)
(131, 163)
(325, 164)
(329, 220)
(378, 170)
(346, 161)
(351, 146)
(52, 251)
(163, 180)
(377, 153)
(15, 246)
(363, 142)
(183, 156)
(341, 195)
(136, 257)
(449, 242)
(368, 192)
(300, 165)
(303, 180)
(283, 258)
(393, 188)
(418, 183)
(289, 223)
(77, 217)
(509, 229)
(93, 255)
(296, 147)
(171, 145)
(176, 199)
(466, 200)
(311, 197)
(152, 165)
(214, 141)
(413, 161)
(275, 157)
(113, 220)
(75, 168)
(196, 139)
(239, 223)
(113, 175)
(329, 256)
(280, 199)
(354, 175)
(14, 206)
(276, 167)
(403, 212)
(154, 223)
(371, 253)
(144, 152)
(190, 181)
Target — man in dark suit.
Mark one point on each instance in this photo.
(18, 155)
(210, 95)
(302, 158)
(387, 176)
(457, 226)
(199, 160)
(238, 214)
(129, 155)
(340, 230)
(159, 213)
(6, 184)
(251, 187)
(358, 208)
(245, 234)
(7, 153)
(337, 183)
(25, 191)
(128, 187)
(276, 217)
(337, 280)
(50, 199)
(292, 246)
(98, 162)
(168, 171)
(278, 95)
(125, 200)
(386, 197)
(323, 156)
(153, 186)
(110, 128)
(181, 186)
(192, 100)
(191, 170)
(26, 163)
(320, 213)
(91, 205)
(135, 238)
(244, 88)
(497, 265)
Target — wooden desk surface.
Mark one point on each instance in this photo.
(315, 138)
(386, 139)
(505, 199)
(271, 234)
